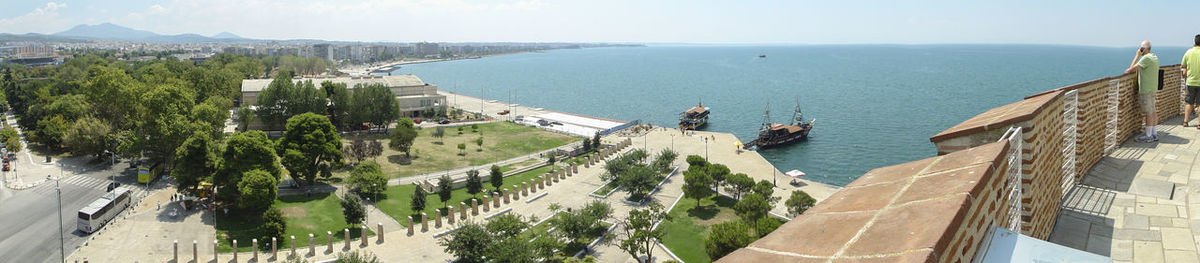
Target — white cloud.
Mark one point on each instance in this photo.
(41, 20)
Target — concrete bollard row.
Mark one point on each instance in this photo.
(474, 208)
(346, 238)
(312, 244)
(486, 204)
(195, 251)
(379, 232)
(329, 241)
(410, 225)
(235, 249)
(437, 219)
(495, 199)
(254, 242)
(362, 235)
(424, 222)
(293, 245)
(450, 214)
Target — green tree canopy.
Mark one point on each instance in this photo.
(402, 136)
(799, 202)
(726, 237)
(696, 185)
(368, 179)
(444, 187)
(352, 209)
(309, 142)
(739, 184)
(244, 151)
(195, 161)
(374, 104)
(638, 234)
(88, 136)
(752, 207)
(474, 183)
(258, 190)
(468, 243)
(497, 177)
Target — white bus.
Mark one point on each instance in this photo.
(99, 212)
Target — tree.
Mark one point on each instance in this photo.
(663, 162)
(283, 99)
(368, 179)
(799, 202)
(245, 116)
(418, 200)
(374, 104)
(402, 136)
(374, 149)
(339, 104)
(468, 243)
(507, 225)
(766, 225)
(766, 189)
(258, 190)
(552, 158)
(587, 145)
(638, 181)
(752, 207)
(357, 256)
(50, 130)
(638, 233)
(209, 117)
(718, 172)
(440, 133)
(696, 185)
(444, 188)
(460, 130)
(245, 151)
(474, 127)
(356, 150)
(738, 184)
(497, 177)
(575, 226)
(352, 208)
(195, 161)
(309, 142)
(596, 140)
(273, 224)
(11, 139)
(462, 149)
(474, 183)
(696, 160)
(726, 237)
(479, 143)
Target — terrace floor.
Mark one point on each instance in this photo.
(1139, 204)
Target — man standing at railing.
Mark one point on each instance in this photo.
(1191, 69)
(1146, 66)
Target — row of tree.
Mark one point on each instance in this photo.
(501, 238)
(348, 109)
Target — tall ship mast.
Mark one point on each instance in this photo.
(693, 118)
(776, 134)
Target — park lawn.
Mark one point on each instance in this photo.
(313, 214)
(397, 200)
(688, 225)
(501, 141)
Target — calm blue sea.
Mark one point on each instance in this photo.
(875, 105)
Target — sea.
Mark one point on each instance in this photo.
(873, 105)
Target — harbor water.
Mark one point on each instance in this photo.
(874, 105)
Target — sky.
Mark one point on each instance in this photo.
(1069, 22)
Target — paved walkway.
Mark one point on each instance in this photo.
(1139, 204)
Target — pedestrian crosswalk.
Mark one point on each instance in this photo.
(47, 188)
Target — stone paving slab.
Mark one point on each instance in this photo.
(1134, 205)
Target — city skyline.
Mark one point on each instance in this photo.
(1103, 23)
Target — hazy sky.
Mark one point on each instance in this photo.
(1099, 23)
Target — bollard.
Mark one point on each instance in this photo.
(542, 183)
(524, 188)
(450, 215)
(215, 251)
(362, 235)
(176, 249)
(437, 219)
(329, 241)
(379, 232)
(274, 248)
(474, 207)
(254, 243)
(235, 247)
(312, 246)
(293, 245)
(574, 169)
(462, 210)
(346, 231)
(486, 204)
(516, 195)
(195, 251)
(495, 200)
(533, 185)
(505, 197)
(410, 225)
(424, 223)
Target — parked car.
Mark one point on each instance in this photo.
(444, 121)
(416, 120)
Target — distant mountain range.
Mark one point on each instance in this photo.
(109, 31)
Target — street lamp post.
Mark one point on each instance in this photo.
(62, 243)
(672, 141)
(706, 148)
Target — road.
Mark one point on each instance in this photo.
(28, 220)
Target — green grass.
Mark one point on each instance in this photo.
(396, 202)
(501, 141)
(689, 226)
(305, 215)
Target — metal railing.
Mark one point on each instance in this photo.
(1113, 126)
(1014, 136)
(1070, 138)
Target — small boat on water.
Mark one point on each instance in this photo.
(693, 118)
(762, 56)
(776, 134)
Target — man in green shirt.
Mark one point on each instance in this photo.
(1191, 68)
(1146, 66)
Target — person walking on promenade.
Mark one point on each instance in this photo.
(1146, 66)
(1191, 69)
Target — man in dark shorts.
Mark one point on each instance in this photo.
(1191, 68)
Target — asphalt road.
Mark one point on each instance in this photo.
(29, 223)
